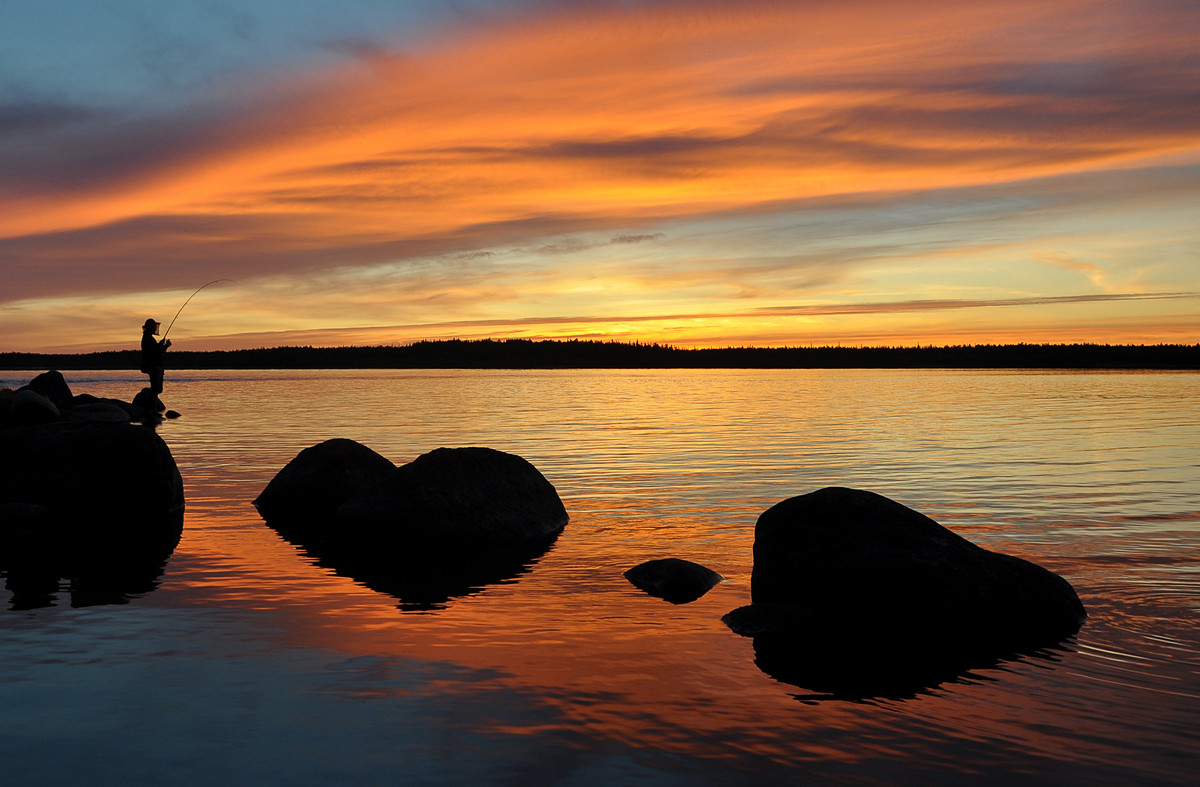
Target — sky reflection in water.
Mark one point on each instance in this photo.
(250, 662)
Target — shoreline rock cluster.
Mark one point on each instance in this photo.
(47, 398)
(85, 493)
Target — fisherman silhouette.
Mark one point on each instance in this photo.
(153, 363)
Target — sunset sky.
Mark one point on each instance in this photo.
(697, 173)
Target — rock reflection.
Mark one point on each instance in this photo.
(863, 670)
(40, 572)
(424, 579)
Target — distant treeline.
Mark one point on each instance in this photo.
(574, 354)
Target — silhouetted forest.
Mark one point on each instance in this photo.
(574, 354)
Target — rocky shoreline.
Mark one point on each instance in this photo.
(89, 492)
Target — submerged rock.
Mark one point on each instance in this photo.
(443, 525)
(853, 593)
(672, 579)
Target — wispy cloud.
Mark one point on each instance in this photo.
(925, 305)
(581, 132)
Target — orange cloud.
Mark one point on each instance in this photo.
(601, 119)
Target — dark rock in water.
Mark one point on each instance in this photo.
(444, 525)
(110, 483)
(146, 400)
(672, 579)
(47, 398)
(311, 487)
(28, 533)
(857, 595)
(99, 504)
(172, 414)
(472, 498)
(53, 386)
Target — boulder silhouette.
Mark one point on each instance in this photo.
(856, 594)
(99, 504)
(108, 482)
(147, 402)
(672, 579)
(444, 525)
(47, 398)
(311, 487)
(53, 386)
(467, 497)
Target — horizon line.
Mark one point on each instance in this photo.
(661, 345)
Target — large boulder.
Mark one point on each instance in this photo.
(310, 488)
(854, 593)
(444, 525)
(475, 498)
(107, 483)
(673, 579)
(100, 504)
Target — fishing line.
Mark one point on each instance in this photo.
(185, 303)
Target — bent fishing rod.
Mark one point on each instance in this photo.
(189, 300)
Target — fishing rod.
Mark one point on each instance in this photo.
(189, 300)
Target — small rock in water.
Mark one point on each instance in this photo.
(672, 579)
(146, 400)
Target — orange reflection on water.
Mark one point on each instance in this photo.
(655, 464)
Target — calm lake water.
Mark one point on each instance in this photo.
(250, 663)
